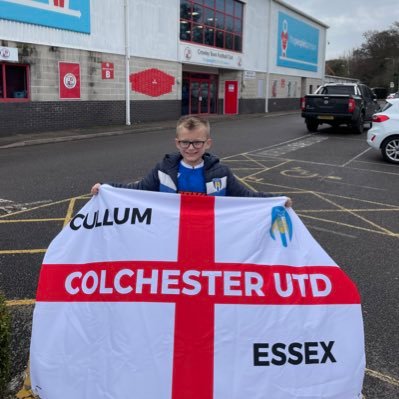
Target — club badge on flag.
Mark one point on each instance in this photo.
(157, 296)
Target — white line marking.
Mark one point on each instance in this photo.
(357, 156)
(329, 231)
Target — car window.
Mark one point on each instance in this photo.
(386, 106)
(338, 90)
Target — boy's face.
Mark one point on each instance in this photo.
(199, 143)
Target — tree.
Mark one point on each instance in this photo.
(375, 62)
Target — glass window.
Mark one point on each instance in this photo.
(185, 30)
(220, 39)
(209, 38)
(229, 23)
(238, 9)
(237, 26)
(230, 7)
(238, 43)
(216, 23)
(13, 82)
(220, 5)
(197, 33)
(219, 20)
(185, 9)
(197, 13)
(209, 17)
(229, 41)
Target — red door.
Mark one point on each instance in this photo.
(231, 97)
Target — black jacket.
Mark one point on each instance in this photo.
(219, 179)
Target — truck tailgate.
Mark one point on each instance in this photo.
(327, 104)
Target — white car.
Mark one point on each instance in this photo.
(384, 134)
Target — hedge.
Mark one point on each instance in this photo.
(5, 339)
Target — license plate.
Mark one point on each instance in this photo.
(326, 117)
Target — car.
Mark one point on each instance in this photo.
(384, 134)
(393, 95)
(380, 92)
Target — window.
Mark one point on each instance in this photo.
(13, 82)
(215, 23)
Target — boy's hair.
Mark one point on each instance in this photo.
(190, 122)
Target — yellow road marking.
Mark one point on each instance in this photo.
(32, 220)
(383, 377)
(22, 251)
(69, 213)
(84, 196)
(266, 169)
(302, 191)
(348, 225)
(352, 210)
(356, 215)
(20, 302)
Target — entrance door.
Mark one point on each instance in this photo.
(231, 97)
(199, 94)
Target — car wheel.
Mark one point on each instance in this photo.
(390, 149)
(358, 126)
(312, 125)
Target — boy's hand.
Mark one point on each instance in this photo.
(288, 203)
(95, 189)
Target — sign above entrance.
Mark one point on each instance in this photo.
(8, 54)
(192, 54)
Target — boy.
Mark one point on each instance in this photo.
(192, 169)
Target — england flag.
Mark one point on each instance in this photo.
(171, 296)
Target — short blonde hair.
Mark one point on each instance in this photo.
(190, 122)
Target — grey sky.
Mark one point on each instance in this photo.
(348, 20)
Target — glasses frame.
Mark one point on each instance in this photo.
(197, 144)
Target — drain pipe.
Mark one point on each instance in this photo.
(268, 58)
(127, 63)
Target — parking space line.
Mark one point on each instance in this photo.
(20, 302)
(382, 377)
(309, 226)
(390, 233)
(353, 210)
(31, 220)
(265, 148)
(69, 213)
(84, 196)
(22, 251)
(346, 225)
(357, 156)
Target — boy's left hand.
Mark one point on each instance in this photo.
(288, 203)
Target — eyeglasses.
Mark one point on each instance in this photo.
(196, 144)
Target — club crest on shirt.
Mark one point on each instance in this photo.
(217, 183)
(281, 223)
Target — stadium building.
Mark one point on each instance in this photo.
(78, 63)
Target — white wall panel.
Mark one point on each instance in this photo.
(154, 28)
(255, 35)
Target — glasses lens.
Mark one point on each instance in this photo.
(196, 144)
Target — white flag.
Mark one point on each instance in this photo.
(158, 296)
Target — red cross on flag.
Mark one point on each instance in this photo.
(157, 296)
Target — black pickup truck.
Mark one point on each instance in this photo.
(337, 104)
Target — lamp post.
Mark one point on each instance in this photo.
(394, 73)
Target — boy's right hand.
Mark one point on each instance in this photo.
(95, 189)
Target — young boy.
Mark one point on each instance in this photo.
(192, 169)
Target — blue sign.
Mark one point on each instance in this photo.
(61, 14)
(297, 44)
